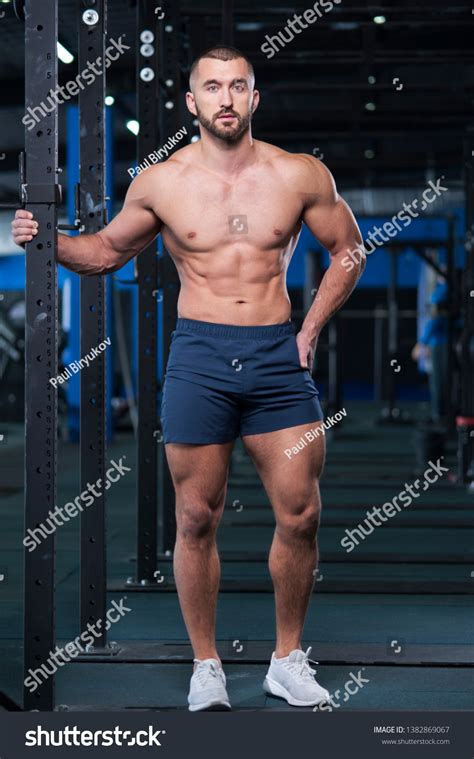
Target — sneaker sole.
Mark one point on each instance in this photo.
(211, 706)
(275, 689)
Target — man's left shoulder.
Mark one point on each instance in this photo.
(305, 171)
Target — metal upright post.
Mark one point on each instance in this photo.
(392, 413)
(378, 352)
(92, 31)
(465, 421)
(147, 277)
(392, 316)
(334, 373)
(41, 193)
(452, 306)
(169, 124)
(228, 22)
(468, 294)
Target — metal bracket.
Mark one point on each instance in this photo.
(41, 193)
(76, 225)
(110, 649)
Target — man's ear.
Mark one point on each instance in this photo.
(255, 100)
(190, 103)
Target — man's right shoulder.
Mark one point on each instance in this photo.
(164, 171)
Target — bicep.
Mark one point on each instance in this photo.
(132, 230)
(330, 219)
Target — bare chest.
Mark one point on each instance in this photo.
(209, 214)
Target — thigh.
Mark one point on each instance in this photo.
(280, 394)
(199, 473)
(199, 404)
(291, 481)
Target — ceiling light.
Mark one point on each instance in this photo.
(64, 55)
(133, 125)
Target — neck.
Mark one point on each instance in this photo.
(227, 157)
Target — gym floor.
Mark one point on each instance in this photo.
(394, 612)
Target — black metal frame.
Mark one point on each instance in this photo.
(392, 413)
(93, 321)
(146, 268)
(260, 651)
(465, 423)
(468, 390)
(169, 115)
(228, 22)
(41, 195)
(158, 108)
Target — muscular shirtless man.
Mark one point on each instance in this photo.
(230, 210)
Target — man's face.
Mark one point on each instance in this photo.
(223, 98)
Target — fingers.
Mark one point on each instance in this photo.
(22, 213)
(304, 357)
(24, 224)
(26, 230)
(304, 362)
(24, 227)
(24, 235)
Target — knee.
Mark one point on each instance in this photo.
(196, 517)
(302, 521)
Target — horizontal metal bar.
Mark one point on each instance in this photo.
(377, 313)
(238, 650)
(296, 87)
(395, 15)
(331, 58)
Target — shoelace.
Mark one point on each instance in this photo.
(302, 668)
(204, 671)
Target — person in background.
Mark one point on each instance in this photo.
(433, 345)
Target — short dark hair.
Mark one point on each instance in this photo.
(221, 53)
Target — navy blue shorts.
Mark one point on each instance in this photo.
(224, 381)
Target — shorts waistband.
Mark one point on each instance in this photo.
(269, 332)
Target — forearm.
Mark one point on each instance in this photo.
(335, 288)
(83, 254)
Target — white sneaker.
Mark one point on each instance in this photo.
(207, 689)
(293, 679)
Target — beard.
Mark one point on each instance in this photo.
(228, 134)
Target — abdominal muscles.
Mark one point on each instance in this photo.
(236, 284)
